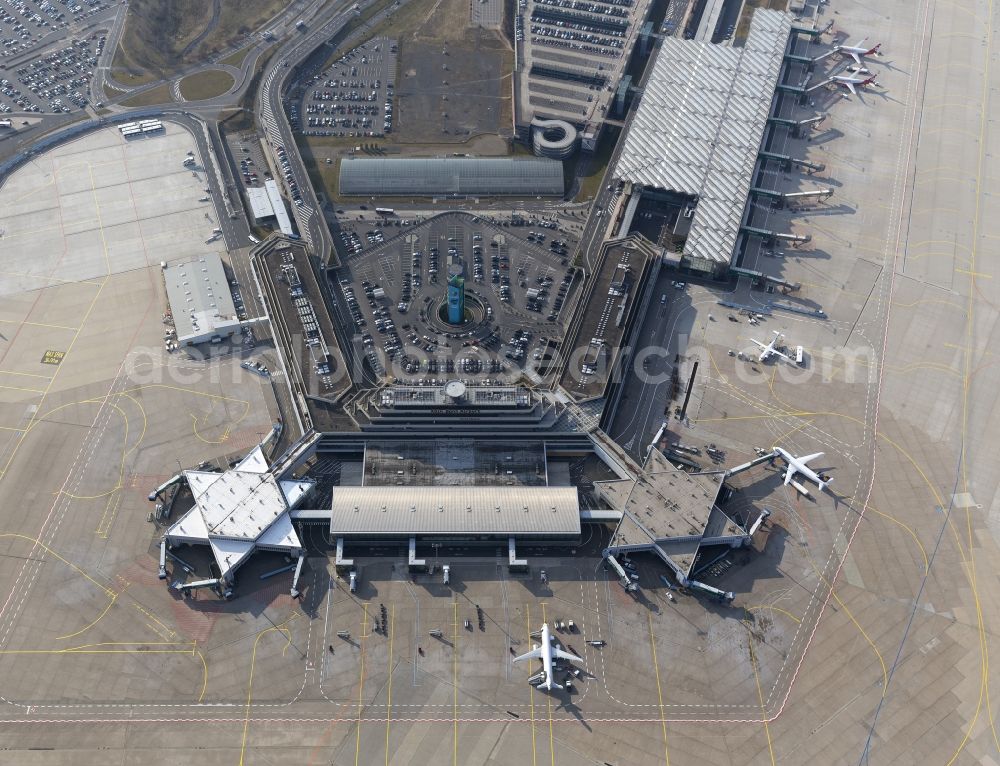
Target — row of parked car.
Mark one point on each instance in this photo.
(286, 169)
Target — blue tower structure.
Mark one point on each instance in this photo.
(456, 297)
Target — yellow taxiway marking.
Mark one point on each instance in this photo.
(40, 324)
(760, 696)
(976, 274)
(388, 703)
(659, 691)
(361, 685)
(25, 374)
(454, 682)
(24, 390)
(548, 703)
(111, 603)
(531, 692)
(253, 663)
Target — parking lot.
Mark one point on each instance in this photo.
(248, 159)
(353, 97)
(286, 170)
(55, 82)
(24, 24)
(394, 286)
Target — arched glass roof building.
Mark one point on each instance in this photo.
(459, 176)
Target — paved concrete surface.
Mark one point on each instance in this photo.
(102, 204)
(890, 665)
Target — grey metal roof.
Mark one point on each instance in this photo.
(450, 175)
(200, 298)
(700, 124)
(455, 510)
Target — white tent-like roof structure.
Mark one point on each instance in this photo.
(700, 125)
(239, 511)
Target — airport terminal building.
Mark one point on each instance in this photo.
(693, 146)
(425, 485)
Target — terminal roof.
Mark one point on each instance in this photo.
(700, 124)
(240, 510)
(260, 203)
(455, 510)
(200, 298)
(668, 510)
(278, 205)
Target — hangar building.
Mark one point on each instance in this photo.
(200, 300)
(451, 176)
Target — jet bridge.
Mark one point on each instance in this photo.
(768, 235)
(797, 126)
(787, 161)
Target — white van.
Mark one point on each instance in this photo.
(798, 355)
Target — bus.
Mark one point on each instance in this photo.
(385, 211)
(253, 239)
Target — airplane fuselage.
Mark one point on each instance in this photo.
(546, 657)
(798, 466)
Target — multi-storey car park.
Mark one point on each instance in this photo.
(569, 77)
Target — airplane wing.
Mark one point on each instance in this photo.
(789, 474)
(557, 652)
(534, 654)
(757, 342)
(850, 87)
(806, 458)
(855, 56)
(786, 357)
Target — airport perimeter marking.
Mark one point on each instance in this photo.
(659, 690)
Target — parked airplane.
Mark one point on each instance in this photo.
(858, 51)
(853, 83)
(546, 652)
(800, 465)
(771, 349)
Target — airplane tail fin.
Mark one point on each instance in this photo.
(874, 50)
